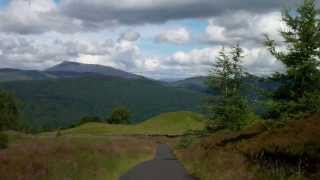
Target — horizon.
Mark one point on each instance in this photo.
(162, 40)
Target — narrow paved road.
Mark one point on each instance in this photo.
(164, 167)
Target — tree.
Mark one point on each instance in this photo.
(8, 116)
(9, 111)
(299, 92)
(119, 115)
(228, 108)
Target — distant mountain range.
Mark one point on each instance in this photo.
(75, 67)
(56, 103)
(197, 84)
(61, 95)
(66, 69)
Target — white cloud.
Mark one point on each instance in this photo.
(244, 27)
(26, 39)
(256, 60)
(176, 36)
(129, 36)
(216, 33)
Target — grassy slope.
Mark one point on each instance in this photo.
(261, 152)
(174, 123)
(59, 103)
(80, 154)
(82, 158)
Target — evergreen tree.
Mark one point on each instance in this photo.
(9, 111)
(8, 116)
(227, 109)
(299, 92)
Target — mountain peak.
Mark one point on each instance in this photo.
(68, 63)
(71, 66)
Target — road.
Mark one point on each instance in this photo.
(164, 166)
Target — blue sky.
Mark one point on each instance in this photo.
(3, 3)
(158, 39)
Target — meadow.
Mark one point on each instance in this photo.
(82, 157)
(174, 123)
(91, 151)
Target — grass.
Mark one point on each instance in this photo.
(87, 152)
(260, 152)
(74, 158)
(174, 123)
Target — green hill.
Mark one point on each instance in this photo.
(21, 75)
(174, 123)
(58, 103)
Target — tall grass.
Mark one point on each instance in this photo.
(74, 158)
(262, 152)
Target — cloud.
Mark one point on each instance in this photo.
(244, 27)
(176, 36)
(84, 32)
(40, 16)
(129, 36)
(70, 16)
(197, 62)
(25, 53)
(149, 11)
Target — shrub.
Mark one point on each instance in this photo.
(3, 141)
(186, 141)
(9, 111)
(119, 115)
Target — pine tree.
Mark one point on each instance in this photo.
(227, 109)
(299, 92)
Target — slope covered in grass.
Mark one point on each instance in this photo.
(59, 103)
(262, 152)
(81, 158)
(174, 123)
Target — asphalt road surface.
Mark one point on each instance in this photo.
(164, 166)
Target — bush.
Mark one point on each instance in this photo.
(3, 141)
(9, 111)
(185, 141)
(119, 115)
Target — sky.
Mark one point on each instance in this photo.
(160, 39)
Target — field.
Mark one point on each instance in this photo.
(175, 123)
(92, 151)
(86, 157)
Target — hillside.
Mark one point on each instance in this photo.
(264, 151)
(194, 83)
(174, 123)
(82, 158)
(68, 66)
(20, 75)
(198, 84)
(58, 103)
(65, 69)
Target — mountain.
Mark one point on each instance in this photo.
(64, 70)
(198, 83)
(20, 75)
(56, 103)
(68, 66)
(195, 83)
(255, 88)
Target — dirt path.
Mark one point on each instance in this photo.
(164, 166)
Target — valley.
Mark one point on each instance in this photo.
(62, 101)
